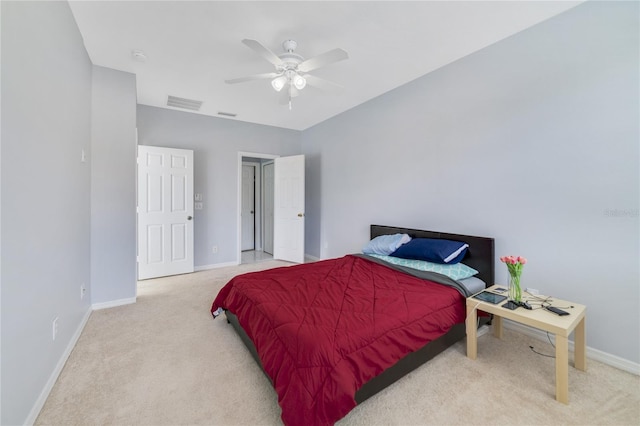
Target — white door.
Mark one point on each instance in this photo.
(267, 212)
(165, 211)
(248, 212)
(288, 235)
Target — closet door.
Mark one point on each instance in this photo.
(248, 208)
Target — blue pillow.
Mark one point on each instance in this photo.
(459, 271)
(386, 244)
(432, 250)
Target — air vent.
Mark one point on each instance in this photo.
(174, 101)
(227, 114)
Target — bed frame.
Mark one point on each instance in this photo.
(480, 256)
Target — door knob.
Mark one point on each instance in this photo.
(189, 218)
(300, 214)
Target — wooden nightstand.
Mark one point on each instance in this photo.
(561, 326)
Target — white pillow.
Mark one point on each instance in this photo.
(386, 244)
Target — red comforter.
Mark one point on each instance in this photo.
(324, 329)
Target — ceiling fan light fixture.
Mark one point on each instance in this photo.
(299, 82)
(279, 82)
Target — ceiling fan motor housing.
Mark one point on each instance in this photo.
(289, 45)
(290, 59)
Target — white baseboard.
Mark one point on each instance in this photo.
(113, 303)
(308, 257)
(595, 354)
(37, 407)
(214, 266)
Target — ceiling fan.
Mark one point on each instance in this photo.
(290, 76)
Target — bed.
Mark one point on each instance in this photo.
(332, 333)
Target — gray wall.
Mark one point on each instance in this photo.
(533, 141)
(216, 143)
(46, 107)
(113, 186)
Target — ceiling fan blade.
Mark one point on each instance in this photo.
(326, 58)
(323, 84)
(263, 51)
(253, 77)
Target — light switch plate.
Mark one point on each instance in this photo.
(198, 197)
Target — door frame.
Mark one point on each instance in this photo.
(242, 154)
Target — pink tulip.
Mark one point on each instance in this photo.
(513, 260)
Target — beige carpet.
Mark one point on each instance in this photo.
(165, 361)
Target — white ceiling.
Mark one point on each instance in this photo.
(192, 47)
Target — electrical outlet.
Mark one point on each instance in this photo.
(83, 290)
(54, 328)
(215, 249)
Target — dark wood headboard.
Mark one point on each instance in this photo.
(480, 254)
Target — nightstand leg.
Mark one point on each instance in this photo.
(472, 332)
(496, 323)
(580, 346)
(562, 369)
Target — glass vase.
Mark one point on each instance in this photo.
(515, 291)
